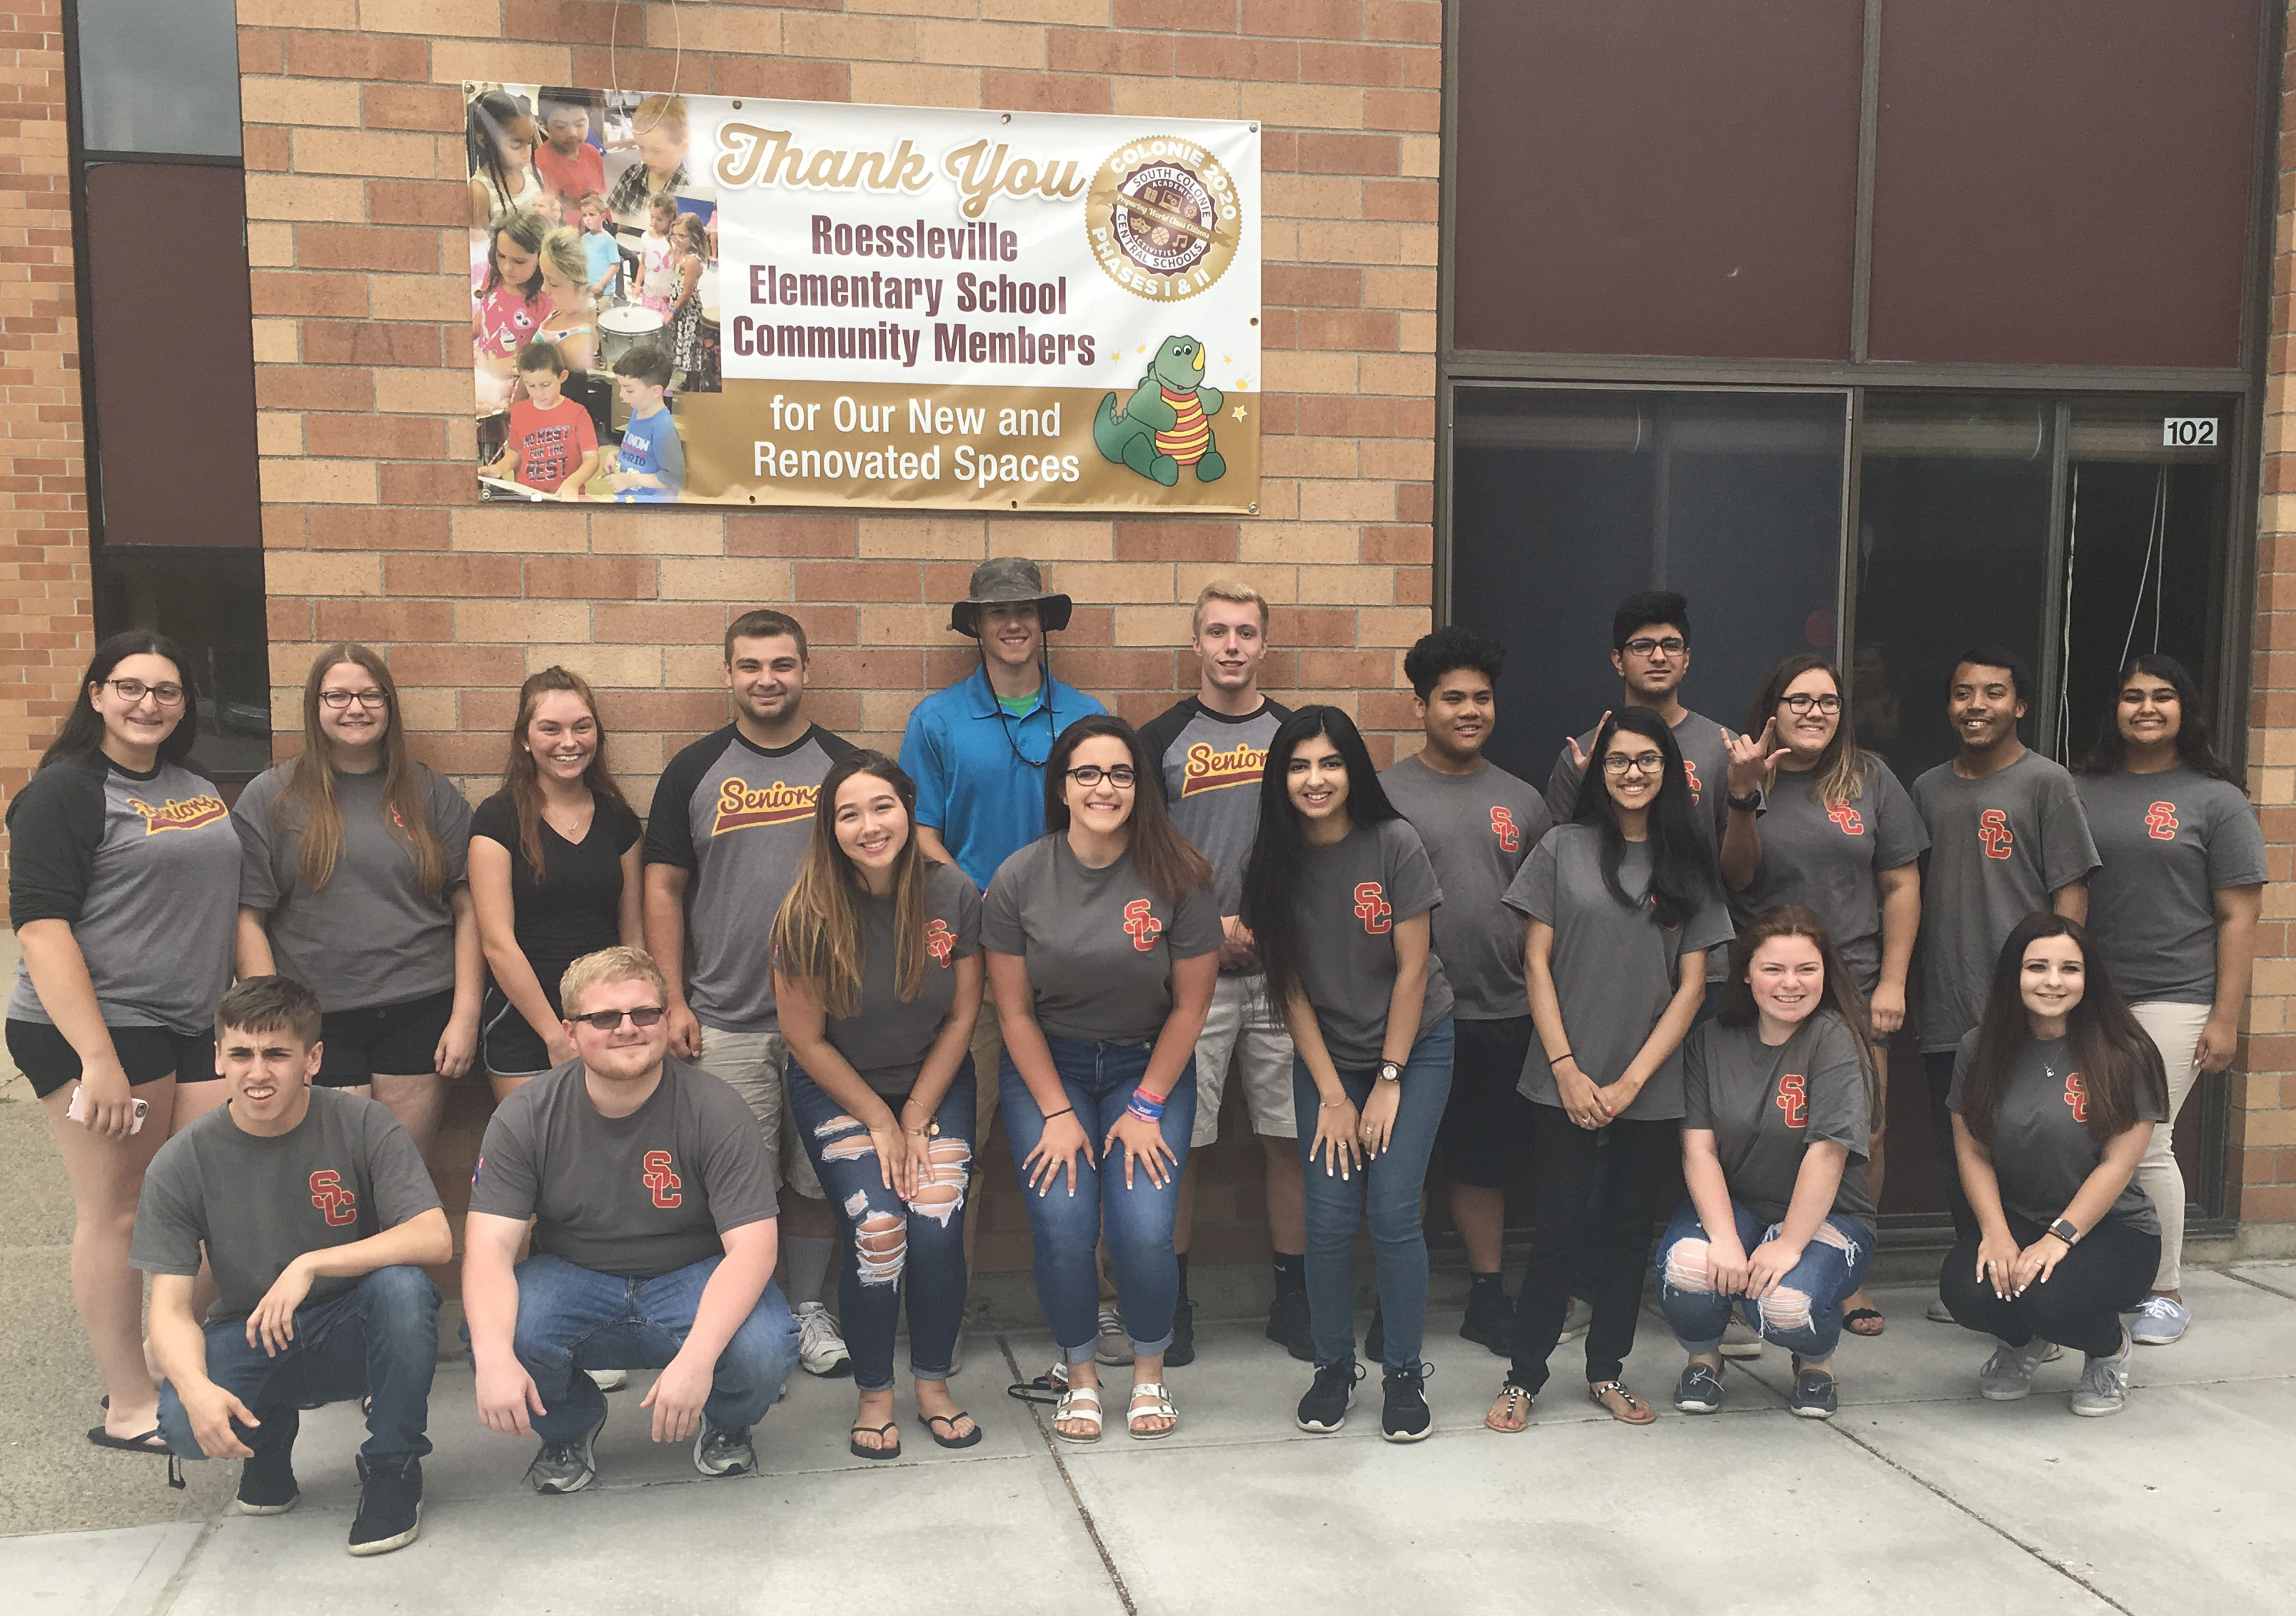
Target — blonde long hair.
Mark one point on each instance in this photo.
(307, 802)
(817, 934)
(521, 776)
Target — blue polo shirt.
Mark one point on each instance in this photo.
(981, 771)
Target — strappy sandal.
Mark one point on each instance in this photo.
(1509, 1413)
(1628, 1410)
(853, 1442)
(1158, 1405)
(967, 1440)
(1071, 1406)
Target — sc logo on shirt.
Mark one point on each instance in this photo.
(1373, 908)
(660, 1178)
(1141, 926)
(1993, 830)
(336, 1204)
(2160, 822)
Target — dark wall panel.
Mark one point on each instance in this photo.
(1651, 177)
(173, 376)
(2064, 181)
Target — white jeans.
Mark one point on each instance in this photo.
(2175, 1030)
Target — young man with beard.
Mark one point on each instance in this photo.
(315, 1213)
(2007, 837)
(1480, 823)
(1209, 751)
(652, 1199)
(725, 838)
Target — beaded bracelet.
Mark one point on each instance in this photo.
(1146, 1108)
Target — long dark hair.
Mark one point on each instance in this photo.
(1168, 865)
(1272, 878)
(82, 734)
(1839, 998)
(2118, 1062)
(522, 777)
(1839, 775)
(1682, 875)
(307, 803)
(2195, 746)
(490, 115)
(818, 933)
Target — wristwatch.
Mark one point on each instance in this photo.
(1752, 802)
(1391, 1071)
(2064, 1230)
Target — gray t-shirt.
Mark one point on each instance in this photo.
(1478, 830)
(636, 1196)
(1615, 968)
(887, 1038)
(347, 1171)
(144, 868)
(1766, 1104)
(2169, 841)
(1829, 855)
(1098, 944)
(372, 935)
(1999, 847)
(736, 818)
(2042, 1150)
(1210, 766)
(1350, 895)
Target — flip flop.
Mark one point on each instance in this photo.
(853, 1445)
(150, 1443)
(1512, 1402)
(1856, 1316)
(1629, 1409)
(1046, 1389)
(967, 1440)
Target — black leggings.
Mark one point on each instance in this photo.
(2080, 1306)
(1639, 1154)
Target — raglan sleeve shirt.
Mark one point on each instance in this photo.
(54, 827)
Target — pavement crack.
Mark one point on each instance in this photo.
(1084, 1511)
(181, 1576)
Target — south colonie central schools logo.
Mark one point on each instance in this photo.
(1164, 219)
(1373, 908)
(661, 1179)
(1142, 927)
(1209, 770)
(741, 805)
(336, 1204)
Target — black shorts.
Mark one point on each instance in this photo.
(397, 1040)
(507, 1046)
(1485, 1134)
(147, 1054)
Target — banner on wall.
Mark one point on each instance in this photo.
(702, 299)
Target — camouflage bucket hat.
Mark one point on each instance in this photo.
(1004, 580)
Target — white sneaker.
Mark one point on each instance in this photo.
(819, 1347)
(1739, 1340)
(1115, 1347)
(1577, 1320)
(609, 1380)
(2162, 1321)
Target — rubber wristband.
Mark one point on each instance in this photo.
(1065, 1111)
(1555, 1061)
(1147, 1109)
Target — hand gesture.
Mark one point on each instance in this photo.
(677, 1397)
(506, 1392)
(1752, 758)
(1579, 752)
(272, 1325)
(1337, 1138)
(891, 1146)
(211, 1411)
(1772, 1261)
(1062, 1143)
(1143, 1141)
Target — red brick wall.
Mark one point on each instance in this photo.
(46, 601)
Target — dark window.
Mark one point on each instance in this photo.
(211, 602)
(158, 76)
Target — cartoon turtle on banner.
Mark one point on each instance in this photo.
(1166, 422)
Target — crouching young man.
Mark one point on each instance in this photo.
(314, 1209)
(653, 1203)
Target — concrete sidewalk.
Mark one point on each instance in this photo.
(1917, 1498)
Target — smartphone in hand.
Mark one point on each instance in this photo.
(76, 1111)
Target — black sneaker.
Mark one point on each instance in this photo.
(1376, 1339)
(1406, 1417)
(267, 1482)
(390, 1504)
(1490, 1317)
(1182, 1352)
(1324, 1408)
(565, 1467)
(1699, 1390)
(1287, 1327)
(1814, 1396)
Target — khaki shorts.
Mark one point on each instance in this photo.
(756, 1064)
(1240, 1022)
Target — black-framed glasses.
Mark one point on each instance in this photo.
(132, 691)
(1090, 775)
(606, 1020)
(372, 697)
(1674, 646)
(1800, 704)
(1619, 763)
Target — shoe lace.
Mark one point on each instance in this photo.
(1341, 1376)
(2158, 1307)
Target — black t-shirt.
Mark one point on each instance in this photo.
(575, 907)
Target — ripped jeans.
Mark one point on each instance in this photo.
(894, 1245)
(1803, 1313)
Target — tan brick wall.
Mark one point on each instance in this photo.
(46, 603)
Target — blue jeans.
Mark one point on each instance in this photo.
(1387, 1191)
(572, 1318)
(1803, 1313)
(1098, 1079)
(378, 1340)
(893, 1247)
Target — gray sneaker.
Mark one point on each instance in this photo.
(723, 1453)
(1739, 1340)
(2104, 1386)
(2162, 1321)
(2008, 1373)
(565, 1467)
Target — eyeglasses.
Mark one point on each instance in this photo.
(606, 1020)
(132, 691)
(1800, 704)
(1674, 646)
(1619, 763)
(372, 697)
(1090, 775)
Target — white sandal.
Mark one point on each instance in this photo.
(1159, 1405)
(1077, 1403)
